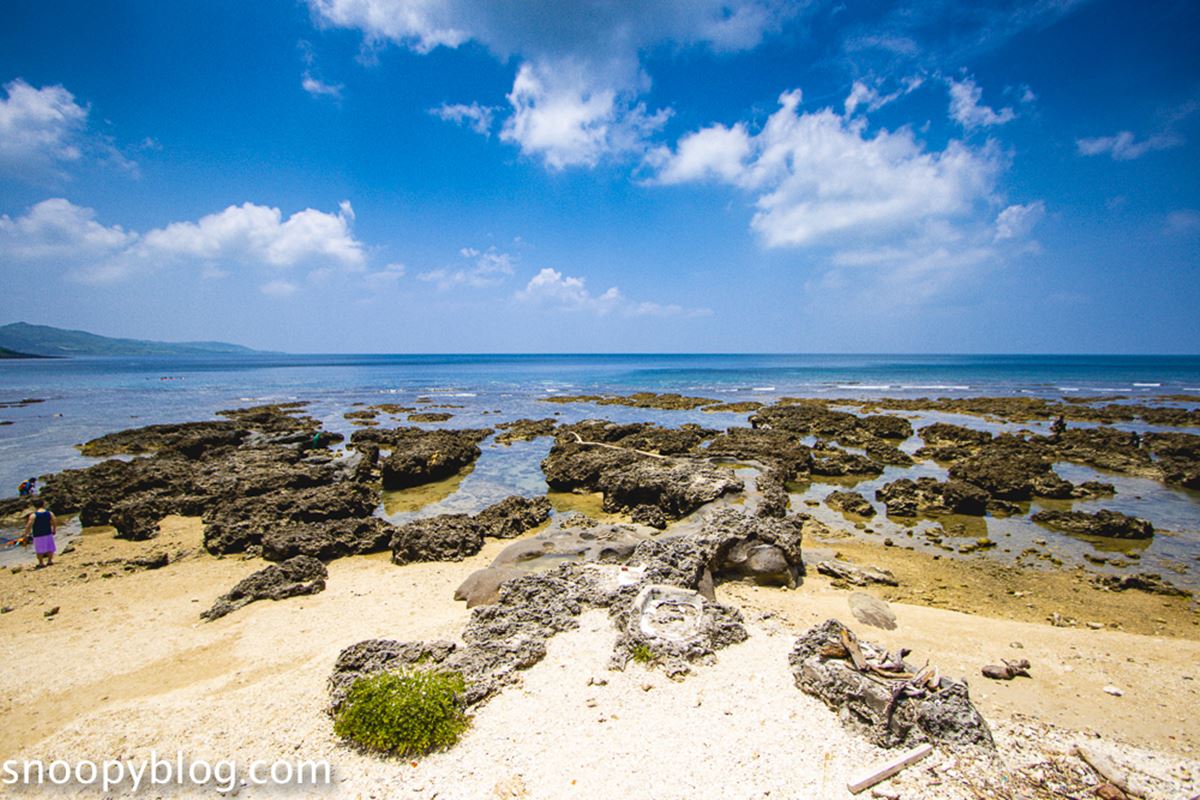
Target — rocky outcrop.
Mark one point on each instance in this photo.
(453, 537)
(191, 438)
(674, 627)
(833, 462)
(1103, 447)
(850, 503)
(328, 539)
(421, 456)
(1177, 456)
(1150, 582)
(625, 463)
(879, 695)
(929, 496)
(1112, 524)
(523, 430)
(815, 418)
(296, 576)
(241, 523)
(379, 655)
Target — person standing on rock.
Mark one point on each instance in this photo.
(42, 524)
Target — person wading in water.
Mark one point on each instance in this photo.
(42, 524)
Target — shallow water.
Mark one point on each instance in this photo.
(85, 398)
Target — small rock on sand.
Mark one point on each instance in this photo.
(1114, 691)
(872, 611)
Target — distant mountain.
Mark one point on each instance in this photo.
(43, 340)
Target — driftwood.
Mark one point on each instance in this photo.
(881, 772)
(1124, 779)
(580, 440)
(1010, 670)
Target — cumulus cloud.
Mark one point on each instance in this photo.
(488, 268)
(58, 231)
(40, 129)
(574, 96)
(474, 116)
(967, 110)
(1017, 221)
(552, 290)
(1124, 146)
(820, 177)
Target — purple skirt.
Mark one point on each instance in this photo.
(44, 545)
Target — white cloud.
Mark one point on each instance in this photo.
(821, 178)
(1017, 221)
(1124, 146)
(966, 109)
(318, 88)
(279, 288)
(1183, 222)
(250, 235)
(386, 278)
(553, 290)
(872, 99)
(57, 230)
(40, 129)
(560, 115)
(574, 97)
(478, 118)
(489, 268)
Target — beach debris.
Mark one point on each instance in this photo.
(882, 696)
(855, 575)
(299, 575)
(881, 772)
(1007, 670)
(672, 626)
(1114, 691)
(872, 611)
(52, 612)
(1123, 778)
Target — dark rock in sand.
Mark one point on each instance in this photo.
(453, 537)
(1150, 582)
(234, 526)
(1112, 524)
(327, 539)
(850, 503)
(512, 516)
(865, 703)
(925, 496)
(296, 576)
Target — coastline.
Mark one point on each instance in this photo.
(117, 620)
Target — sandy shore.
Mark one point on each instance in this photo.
(126, 666)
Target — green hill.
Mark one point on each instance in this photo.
(6, 353)
(44, 340)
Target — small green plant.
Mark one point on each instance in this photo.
(410, 712)
(642, 654)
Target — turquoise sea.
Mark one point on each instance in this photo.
(86, 397)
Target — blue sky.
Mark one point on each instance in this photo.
(664, 175)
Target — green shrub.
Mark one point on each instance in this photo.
(410, 712)
(642, 654)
